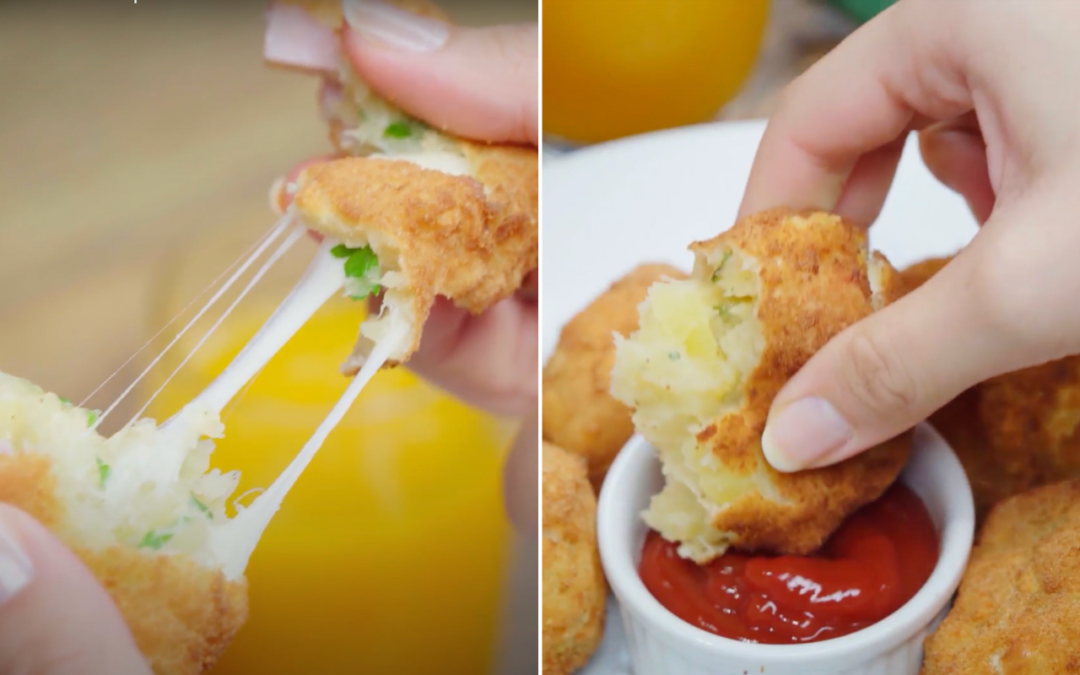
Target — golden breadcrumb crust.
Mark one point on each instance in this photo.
(574, 588)
(815, 282)
(449, 235)
(1018, 608)
(182, 615)
(1015, 431)
(580, 414)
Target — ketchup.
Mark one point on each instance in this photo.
(873, 564)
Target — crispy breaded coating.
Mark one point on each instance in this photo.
(580, 414)
(181, 614)
(574, 589)
(713, 352)
(478, 202)
(1018, 608)
(1015, 431)
(444, 235)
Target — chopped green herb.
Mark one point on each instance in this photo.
(360, 262)
(202, 507)
(674, 356)
(341, 251)
(155, 540)
(64, 400)
(724, 311)
(398, 130)
(362, 273)
(720, 267)
(103, 472)
(92, 417)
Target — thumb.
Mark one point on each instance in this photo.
(482, 83)
(890, 371)
(55, 619)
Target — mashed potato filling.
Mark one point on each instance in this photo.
(684, 367)
(143, 487)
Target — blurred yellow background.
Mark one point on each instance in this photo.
(614, 68)
(137, 147)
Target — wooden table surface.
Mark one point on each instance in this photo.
(126, 132)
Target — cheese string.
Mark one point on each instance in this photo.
(235, 541)
(281, 250)
(246, 255)
(324, 277)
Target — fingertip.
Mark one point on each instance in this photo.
(805, 433)
(61, 613)
(482, 84)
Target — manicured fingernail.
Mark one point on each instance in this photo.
(16, 570)
(803, 433)
(394, 27)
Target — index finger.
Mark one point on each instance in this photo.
(888, 76)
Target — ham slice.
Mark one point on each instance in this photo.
(297, 40)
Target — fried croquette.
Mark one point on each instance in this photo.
(574, 589)
(1018, 607)
(432, 234)
(580, 414)
(142, 528)
(712, 353)
(1015, 431)
(444, 215)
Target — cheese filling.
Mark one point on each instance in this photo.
(150, 487)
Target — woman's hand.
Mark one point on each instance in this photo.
(481, 84)
(992, 88)
(55, 619)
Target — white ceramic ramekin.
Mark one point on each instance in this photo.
(662, 644)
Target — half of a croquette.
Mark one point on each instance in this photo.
(580, 415)
(443, 215)
(139, 509)
(431, 234)
(574, 588)
(710, 355)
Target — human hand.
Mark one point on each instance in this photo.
(481, 84)
(991, 88)
(55, 619)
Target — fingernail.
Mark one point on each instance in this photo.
(830, 191)
(394, 27)
(16, 570)
(803, 433)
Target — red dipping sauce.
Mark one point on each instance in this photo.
(878, 559)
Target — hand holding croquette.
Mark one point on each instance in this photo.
(989, 129)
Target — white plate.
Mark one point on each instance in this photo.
(612, 206)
